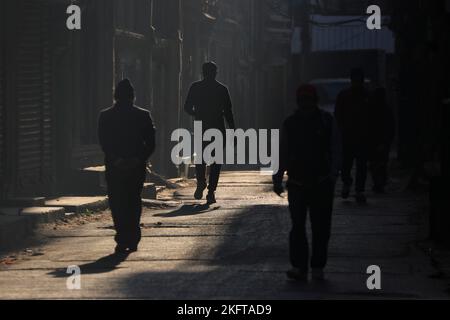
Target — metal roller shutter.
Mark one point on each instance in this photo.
(2, 126)
(34, 112)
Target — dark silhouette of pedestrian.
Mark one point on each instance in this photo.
(381, 136)
(310, 153)
(209, 101)
(127, 137)
(352, 115)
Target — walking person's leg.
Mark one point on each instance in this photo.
(200, 173)
(384, 167)
(117, 205)
(321, 215)
(125, 197)
(214, 176)
(361, 174)
(298, 242)
(376, 170)
(348, 156)
(373, 168)
(127, 209)
(135, 205)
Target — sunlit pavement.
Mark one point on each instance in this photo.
(236, 249)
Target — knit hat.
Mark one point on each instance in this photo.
(124, 91)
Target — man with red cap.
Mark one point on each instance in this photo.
(309, 152)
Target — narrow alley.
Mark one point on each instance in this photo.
(235, 249)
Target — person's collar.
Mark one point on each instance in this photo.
(124, 104)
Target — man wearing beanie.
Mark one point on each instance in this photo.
(127, 137)
(309, 152)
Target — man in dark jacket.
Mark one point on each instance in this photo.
(310, 153)
(209, 101)
(127, 137)
(352, 116)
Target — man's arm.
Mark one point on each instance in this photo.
(228, 110)
(189, 105)
(149, 138)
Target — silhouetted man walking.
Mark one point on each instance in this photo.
(127, 137)
(209, 102)
(310, 153)
(352, 115)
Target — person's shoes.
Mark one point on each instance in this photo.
(198, 195)
(361, 198)
(345, 192)
(120, 249)
(318, 274)
(211, 198)
(297, 275)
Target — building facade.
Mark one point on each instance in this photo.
(54, 81)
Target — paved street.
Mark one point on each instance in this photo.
(236, 249)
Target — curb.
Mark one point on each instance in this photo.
(18, 224)
(79, 204)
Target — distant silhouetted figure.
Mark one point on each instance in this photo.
(209, 101)
(381, 136)
(310, 153)
(127, 137)
(352, 115)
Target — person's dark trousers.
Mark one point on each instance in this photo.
(124, 193)
(354, 153)
(214, 175)
(214, 172)
(318, 200)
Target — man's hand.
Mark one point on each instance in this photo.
(278, 189)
